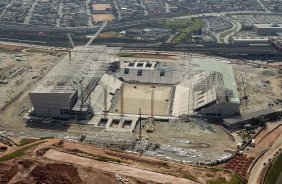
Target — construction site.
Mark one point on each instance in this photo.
(167, 105)
(140, 104)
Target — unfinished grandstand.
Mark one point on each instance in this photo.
(65, 91)
(96, 82)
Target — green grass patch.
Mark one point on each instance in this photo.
(274, 171)
(189, 177)
(235, 179)
(27, 141)
(93, 156)
(126, 54)
(213, 169)
(18, 153)
(186, 29)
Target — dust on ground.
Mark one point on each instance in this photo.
(139, 96)
(20, 71)
(33, 166)
(263, 86)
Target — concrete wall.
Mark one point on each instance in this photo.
(50, 104)
(221, 110)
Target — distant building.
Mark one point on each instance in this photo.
(250, 40)
(267, 29)
(252, 118)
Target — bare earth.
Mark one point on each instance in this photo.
(140, 97)
(119, 169)
(102, 17)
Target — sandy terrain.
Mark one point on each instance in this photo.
(140, 97)
(56, 161)
(268, 139)
(101, 6)
(119, 169)
(34, 65)
(102, 17)
(258, 97)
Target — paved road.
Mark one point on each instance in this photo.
(236, 27)
(60, 15)
(145, 9)
(263, 6)
(88, 13)
(4, 11)
(256, 171)
(30, 13)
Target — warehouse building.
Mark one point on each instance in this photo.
(267, 29)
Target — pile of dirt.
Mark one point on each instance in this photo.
(55, 173)
(96, 177)
(26, 163)
(7, 171)
(137, 158)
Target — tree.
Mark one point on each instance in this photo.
(261, 121)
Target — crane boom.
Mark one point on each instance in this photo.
(71, 41)
(96, 34)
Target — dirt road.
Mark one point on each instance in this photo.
(274, 141)
(115, 168)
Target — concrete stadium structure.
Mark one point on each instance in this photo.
(201, 86)
(97, 82)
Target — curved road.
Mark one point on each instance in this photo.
(256, 171)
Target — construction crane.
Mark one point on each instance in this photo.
(71, 41)
(245, 97)
(105, 90)
(140, 124)
(87, 44)
(121, 102)
(152, 103)
(150, 125)
(96, 34)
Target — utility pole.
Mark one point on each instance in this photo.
(140, 124)
(121, 102)
(152, 104)
(105, 100)
(245, 97)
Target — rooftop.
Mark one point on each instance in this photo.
(212, 64)
(245, 117)
(273, 26)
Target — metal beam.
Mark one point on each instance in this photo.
(71, 41)
(96, 34)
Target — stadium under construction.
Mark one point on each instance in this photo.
(94, 81)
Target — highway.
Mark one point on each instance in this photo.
(116, 25)
(264, 51)
(224, 49)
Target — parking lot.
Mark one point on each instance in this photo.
(249, 20)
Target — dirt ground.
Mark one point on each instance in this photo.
(139, 96)
(102, 17)
(56, 161)
(272, 143)
(22, 69)
(258, 97)
(101, 6)
(192, 136)
(118, 169)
